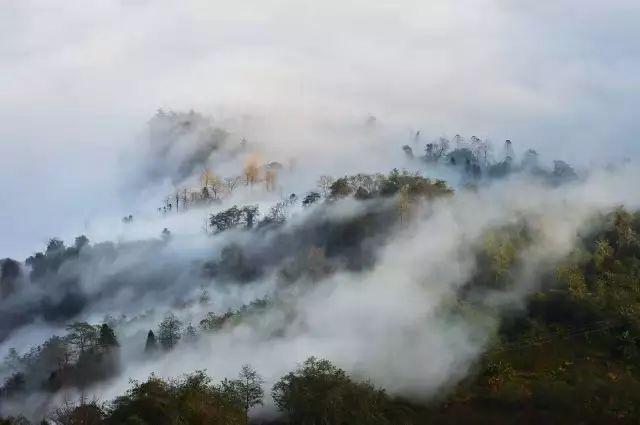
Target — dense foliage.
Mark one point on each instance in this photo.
(572, 356)
(569, 355)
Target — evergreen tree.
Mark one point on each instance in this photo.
(190, 333)
(151, 344)
(107, 337)
(169, 332)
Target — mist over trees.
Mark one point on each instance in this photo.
(477, 160)
(84, 355)
(527, 318)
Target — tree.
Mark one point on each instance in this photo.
(365, 181)
(226, 219)
(211, 183)
(277, 214)
(169, 331)
(530, 160)
(340, 188)
(216, 186)
(205, 177)
(270, 180)
(320, 393)
(12, 360)
(408, 151)
(82, 336)
(563, 172)
(481, 149)
(190, 333)
(324, 183)
(497, 373)
(573, 277)
(54, 246)
(17, 420)
(204, 298)
(250, 388)
(251, 172)
(231, 183)
(436, 150)
(602, 254)
(185, 197)
(204, 194)
(310, 199)
(107, 337)
(14, 384)
(151, 344)
(9, 273)
(54, 353)
(246, 391)
(249, 213)
(509, 154)
(81, 241)
(459, 141)
(78, 414)
(213, 322)
(190, 400)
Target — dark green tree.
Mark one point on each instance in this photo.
(310, 199)
(246, 390)
(169, 331)
(107, 337)
(151, 344)
(190, 400)
(82, 336)
(320, 393)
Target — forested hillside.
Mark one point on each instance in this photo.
(502, 296)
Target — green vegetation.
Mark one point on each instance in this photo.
(320, 393)
(570, 354)
(85, 355)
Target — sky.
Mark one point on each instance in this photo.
(79, 82)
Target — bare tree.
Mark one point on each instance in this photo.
(436, 150)
(324, 183)
(216, 186)
(270, 180)
(481, 149)
(206, 175)
(184, 196)
(365, 181)
(251, 173)
(212, 183)
(231, 183)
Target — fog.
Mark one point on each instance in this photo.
(79, 82)
(323, 89)
(396, 323)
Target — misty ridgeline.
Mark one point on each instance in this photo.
(464, 282)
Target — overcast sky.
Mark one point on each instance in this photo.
(79, 80)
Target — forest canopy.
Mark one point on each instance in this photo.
(521, 297)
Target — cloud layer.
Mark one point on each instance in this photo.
(78, 82)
